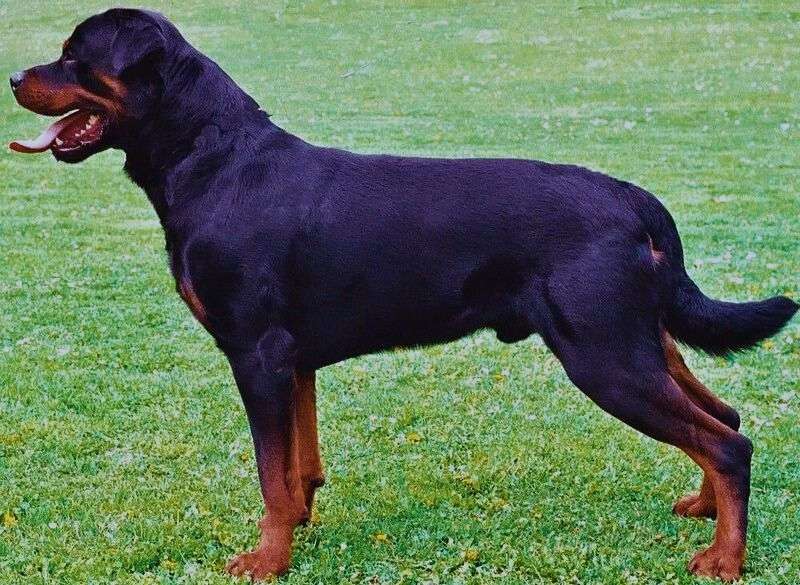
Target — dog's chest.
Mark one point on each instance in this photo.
(185, 285)
(219, 283)
(187, 292)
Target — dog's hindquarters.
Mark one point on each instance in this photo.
(716, 327)
(603, 321)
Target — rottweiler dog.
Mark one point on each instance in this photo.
(295, 256)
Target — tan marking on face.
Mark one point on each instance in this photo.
(116, 87)
(53, 100)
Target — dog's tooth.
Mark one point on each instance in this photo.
(59, 142)
(92, 119)
(88, 125)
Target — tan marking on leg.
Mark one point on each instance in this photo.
(284, 501)
(702, 504)
(305, 436)
(725, 557)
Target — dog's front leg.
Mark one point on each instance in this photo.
(267, 395)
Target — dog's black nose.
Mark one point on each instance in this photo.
(16, 79)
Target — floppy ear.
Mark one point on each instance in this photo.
(134, 43)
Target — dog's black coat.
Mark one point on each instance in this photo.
(337, 254)
(296, 256)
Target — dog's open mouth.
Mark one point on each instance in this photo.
(73, 133)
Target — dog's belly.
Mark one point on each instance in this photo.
(316, 352)
(363, 325)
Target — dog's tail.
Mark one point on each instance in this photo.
(720, 327)
(717, 327)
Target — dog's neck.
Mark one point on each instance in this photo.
(186, 119)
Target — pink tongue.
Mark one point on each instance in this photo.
(46, 138)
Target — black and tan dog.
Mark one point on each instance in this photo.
(295, 256)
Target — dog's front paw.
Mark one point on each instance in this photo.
(260, 564)
(695, 505)
(717, 562)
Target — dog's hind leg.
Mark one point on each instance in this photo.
(305, 437)
(600, 315)
(623, 369)
(702, 503)
(695, 389)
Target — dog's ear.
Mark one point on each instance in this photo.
(135, 43)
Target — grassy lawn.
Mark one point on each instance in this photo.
(124, 451)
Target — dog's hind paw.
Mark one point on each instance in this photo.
(717, 562)
(258, 565)
(695, 505)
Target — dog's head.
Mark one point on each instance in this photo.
(106, 80)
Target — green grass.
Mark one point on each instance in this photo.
(124, 451)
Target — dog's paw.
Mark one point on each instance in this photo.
(258, 565)
(717, 562)
(695, 506)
